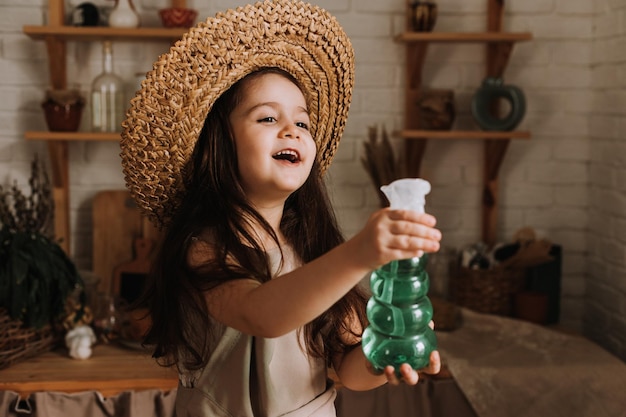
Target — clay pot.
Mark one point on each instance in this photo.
(178, 17)
(63, 110)
(423, 15)
(436, 109)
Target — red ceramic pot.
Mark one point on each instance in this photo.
(177, 17)
(62, 118)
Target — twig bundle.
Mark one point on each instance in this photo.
(32, 213)
(380, 162)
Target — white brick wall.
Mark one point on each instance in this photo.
(568, 181)
(605, 298)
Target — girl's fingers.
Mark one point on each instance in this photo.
(410, 376)
(412, 243)
(412, 216)
(434, 366)
(413, 235)
(390, 373)
(415, 230)
(407, 375)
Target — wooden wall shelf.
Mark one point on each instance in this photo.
(71, 136)
(469, 37)
(56, 34)
(461, 134)
(498, 46)
(90, 34)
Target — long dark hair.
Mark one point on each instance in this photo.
(213, 201)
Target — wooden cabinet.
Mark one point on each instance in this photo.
(499, 46)
(56, 35)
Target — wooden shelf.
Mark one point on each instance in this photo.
(461, 134)
(499, 46)
(90, 34)
(71, 136)
(467, 37)
(56, 34)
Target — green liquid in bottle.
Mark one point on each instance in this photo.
(399, 312)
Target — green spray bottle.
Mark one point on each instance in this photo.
(399, 310)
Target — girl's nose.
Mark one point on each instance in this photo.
(290, 131)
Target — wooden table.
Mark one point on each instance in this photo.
(111, 370)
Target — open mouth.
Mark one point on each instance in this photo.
(287, 155)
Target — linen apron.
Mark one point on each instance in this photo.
(249, 376)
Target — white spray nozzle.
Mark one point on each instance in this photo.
(407, 193)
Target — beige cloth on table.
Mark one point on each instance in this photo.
(512, 368)
(148, 403)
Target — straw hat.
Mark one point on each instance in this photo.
(167, 113)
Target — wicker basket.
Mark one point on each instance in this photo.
(487, 291)
(18, 343)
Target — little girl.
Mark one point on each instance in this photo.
(255, 293)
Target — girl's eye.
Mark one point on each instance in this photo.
(302, 125)
(268, 119)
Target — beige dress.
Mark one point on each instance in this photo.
(249, 376)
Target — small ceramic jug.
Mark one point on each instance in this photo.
(124, 15)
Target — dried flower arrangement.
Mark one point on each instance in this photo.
(380, 162)
(36, 275)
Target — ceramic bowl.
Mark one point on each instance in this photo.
(175, 17)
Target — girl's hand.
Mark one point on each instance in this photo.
(396, 234)
(409, 375)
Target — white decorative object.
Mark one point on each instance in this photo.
(124, 15)
(79, 341)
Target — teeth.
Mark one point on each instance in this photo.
(287, 154)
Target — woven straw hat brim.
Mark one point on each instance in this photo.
(168, 112)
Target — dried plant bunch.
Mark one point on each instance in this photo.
(32, 213)
(36, 275)
(380, 162)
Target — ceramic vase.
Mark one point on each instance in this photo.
(486, 98)
(124, 15)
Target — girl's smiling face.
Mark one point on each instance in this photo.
(275, 149)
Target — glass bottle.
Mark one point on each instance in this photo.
(399, 310)
(107, 96)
